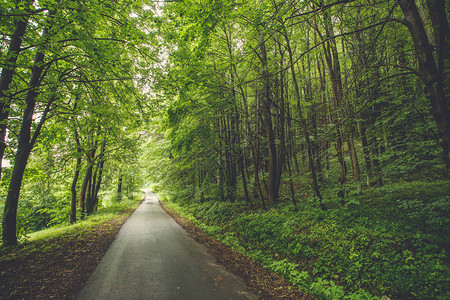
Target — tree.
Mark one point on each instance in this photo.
(433, 68)
(63, 61)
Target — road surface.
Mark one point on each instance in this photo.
(153, 258)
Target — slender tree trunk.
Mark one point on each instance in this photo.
(241, 163)
(232, 153)
(84, 189)
(355, 163)
(374, 114)
(349, 130)
(234, 122)
(332, 60)
(246, 128)
(314, 184)
(98, 185)
(256, 155)
(92, 187)
(366, 153)
(73, 190)
(291, 183)
(100, 174)
(325, 118)
(361, 68)
(376, 164)
(291, 153)
(84, 199)
(220, 161)
(10, 213)
(273, 180)
(281, 132)
(283, 105)
(6, 78)
(119, 188)
(88, 200)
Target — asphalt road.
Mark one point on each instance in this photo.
(153, 258)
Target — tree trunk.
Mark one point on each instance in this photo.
(73, 190)
(84, 199)
(434, 73)
(231, 154)
(241, 163)
(365, 148)
(119, 189)
(273, 180)
(349, 129)
(24, 147)
(332, 60)
(10, 212)
(89, 206)
(325, 118)
(376, 163)
(93, 184)
(100, 174)
(314, 184)
(234, 123)
(84, 190)
(5, 80)
(220, 161)
(255, 149)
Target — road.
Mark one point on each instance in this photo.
(153, 258)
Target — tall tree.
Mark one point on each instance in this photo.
(433, 68)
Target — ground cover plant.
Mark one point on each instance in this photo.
(370, 247)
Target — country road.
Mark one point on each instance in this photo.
(153, 258)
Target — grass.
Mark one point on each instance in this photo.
(38, 241)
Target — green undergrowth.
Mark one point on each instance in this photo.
(391, 241)
(40, 240)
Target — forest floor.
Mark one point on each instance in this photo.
(58, 268)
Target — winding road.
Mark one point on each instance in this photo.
(153, 258)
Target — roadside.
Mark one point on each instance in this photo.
(57, 267)
(260, 281)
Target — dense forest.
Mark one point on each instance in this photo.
(313, 136)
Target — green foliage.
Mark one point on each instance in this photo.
(109, 67)
(389, 241)
(31, 221)
(38, 242)
(215, 212)
(47, 207)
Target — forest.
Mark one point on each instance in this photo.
(311, 136)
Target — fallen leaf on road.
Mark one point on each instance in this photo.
(218, 280)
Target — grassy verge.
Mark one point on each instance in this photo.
(56, 262)
(391, 241)
(39, 240)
